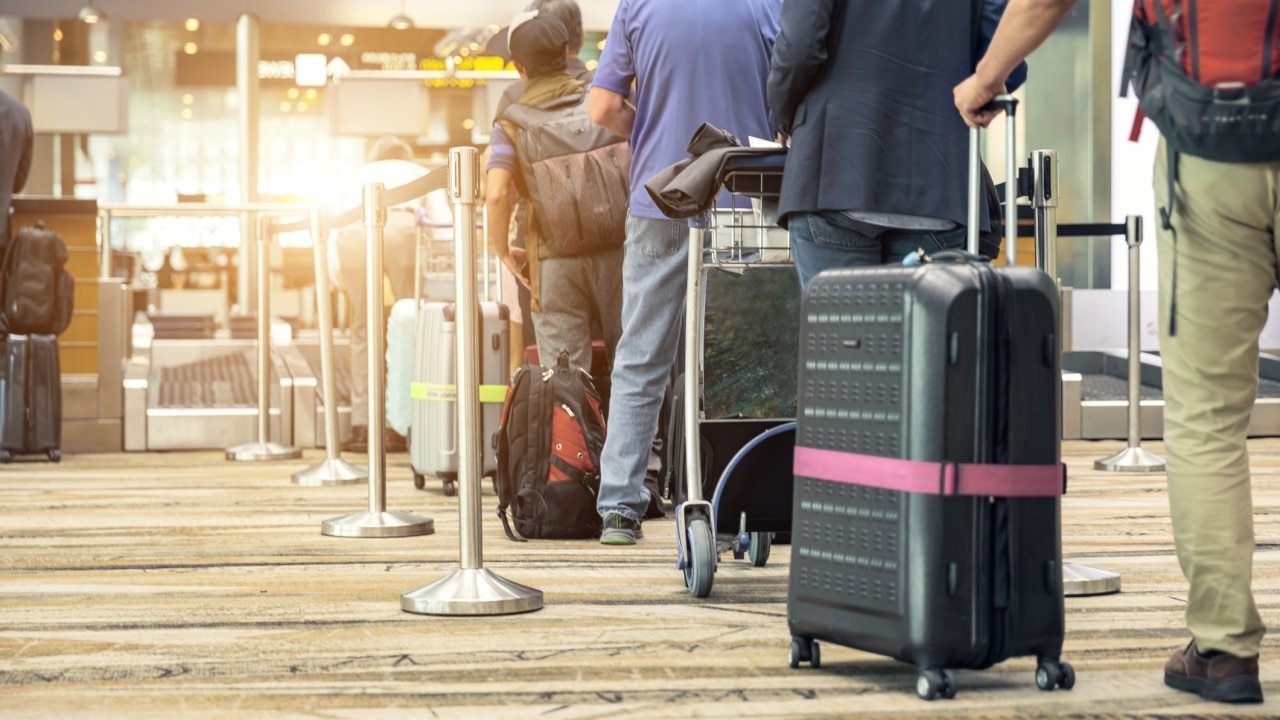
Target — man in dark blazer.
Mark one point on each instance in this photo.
(16, 142)
(878, 156)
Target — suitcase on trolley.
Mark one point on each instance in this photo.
(30, 397)
(928, 479)
(433, 437)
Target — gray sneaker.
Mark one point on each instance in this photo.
(620, 530)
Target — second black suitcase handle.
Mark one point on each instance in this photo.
(1009, 104)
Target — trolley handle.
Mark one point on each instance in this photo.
(1009, 104)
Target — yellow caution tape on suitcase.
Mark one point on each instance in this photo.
(449, 393)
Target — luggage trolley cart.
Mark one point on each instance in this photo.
(734, 444)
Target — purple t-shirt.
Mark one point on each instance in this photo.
(693, 61)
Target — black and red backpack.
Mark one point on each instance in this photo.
(549, 441)
(1207, 73)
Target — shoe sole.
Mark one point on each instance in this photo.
(1237, 689)
(619, 537)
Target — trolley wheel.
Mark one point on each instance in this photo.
(1048, 672)
(450, 488)
(6, 456)
(55, 455)
(761, 544)
(930, 684)
(699, 570)
(419, 480)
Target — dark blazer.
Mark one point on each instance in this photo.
(863, 87)
(16, 142)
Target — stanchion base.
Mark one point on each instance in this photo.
(1131, 459)
(1082, 580)
(250, 452)
(472, 592)
(388, 523)
(330, 471)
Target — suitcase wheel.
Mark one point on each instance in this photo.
(804, 650)
(6, 456)
(450, 487)
(55, 455)
(936, 683)
(1051, 673)
(419, 480)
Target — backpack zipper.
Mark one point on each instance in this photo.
(1193, 38)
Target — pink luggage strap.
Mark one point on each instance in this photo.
(931, 478)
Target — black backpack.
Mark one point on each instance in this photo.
(549, 441)
(576, 174)
(36, 289)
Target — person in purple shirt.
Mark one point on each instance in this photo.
(691, 61)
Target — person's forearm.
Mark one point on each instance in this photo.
(498, 220)
(611, 111)
(1025, 25)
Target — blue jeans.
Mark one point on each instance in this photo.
(654, 275)
(824, 240)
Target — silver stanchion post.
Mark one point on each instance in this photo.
(1044, 200)
(377, 521)
(471, 589)
(264, 449)
(1077, 580)
(333, 470)
(1134, 458)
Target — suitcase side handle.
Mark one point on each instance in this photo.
(1009, 104)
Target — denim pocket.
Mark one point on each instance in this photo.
(656, 238)
(837, 230)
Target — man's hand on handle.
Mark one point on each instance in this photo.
(971, 98)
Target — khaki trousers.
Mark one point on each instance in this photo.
(1225, 258)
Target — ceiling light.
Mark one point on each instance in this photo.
(90, 14)
(347, 40)
(192, 24)
(401, 21)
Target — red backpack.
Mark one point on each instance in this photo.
(549, 442)
(1206, 73)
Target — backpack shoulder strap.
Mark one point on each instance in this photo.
(522, 116)
(564, 101)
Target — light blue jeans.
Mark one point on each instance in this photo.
(654, 274)
(824, 240)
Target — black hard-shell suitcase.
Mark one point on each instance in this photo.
(30, 397)
(954, 365)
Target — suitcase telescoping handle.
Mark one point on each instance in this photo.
(1009, 104)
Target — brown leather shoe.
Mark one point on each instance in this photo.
(358, 442)
(395, 442)
(1217, 676)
